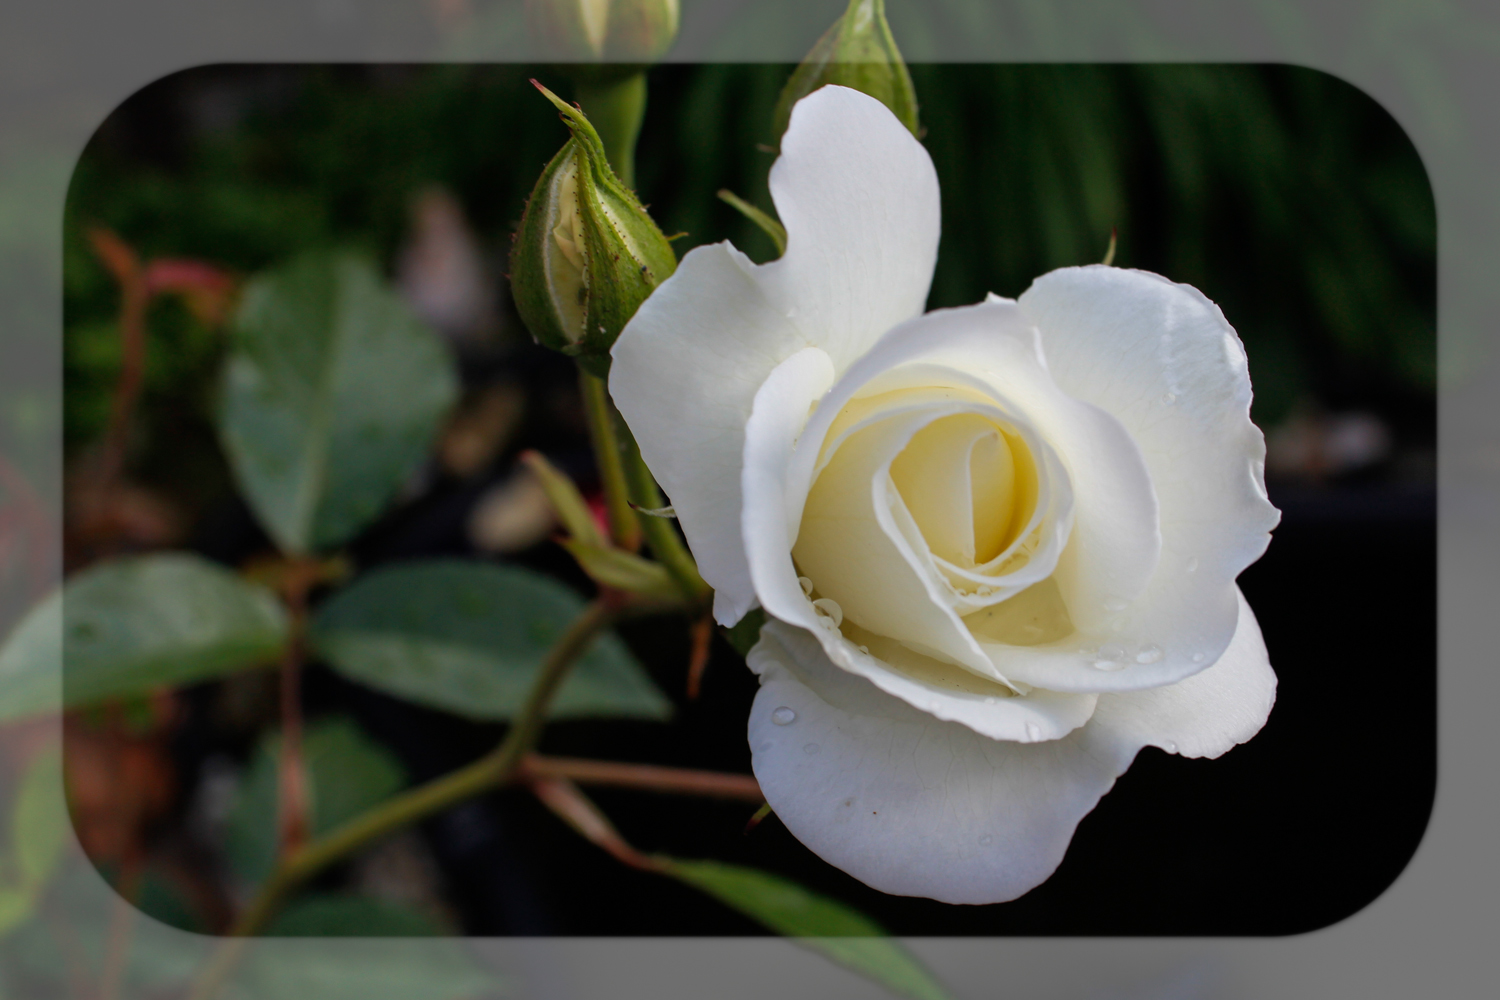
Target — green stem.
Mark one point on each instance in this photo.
(490, 771)
(615, 109)
(624, 526)
(661, 534)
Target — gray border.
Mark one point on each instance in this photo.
(1434, 65)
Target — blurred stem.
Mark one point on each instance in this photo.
(125, 267)
(615, 108)
(293, 821)
(490, 771)
(647, 777)
(624, 526)
(661, 533)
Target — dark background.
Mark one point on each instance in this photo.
(1287, 196)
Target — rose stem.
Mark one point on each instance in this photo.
(624, 526)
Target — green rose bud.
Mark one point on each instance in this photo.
(586, 253)
(610, 31)
(857, 52)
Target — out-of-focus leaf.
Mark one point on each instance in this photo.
(746, 632)
(332, 394)
(571, 508)
(383, 969)
(623, 570)
(347, 773)
(38, 833)
(39, 825)
(330, 915)
(468, 638)
(843, 934)
(125, 627)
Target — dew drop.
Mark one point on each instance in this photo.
(1192, 565)
(1033, 732)
(991, 700)
(811, 748)
(1199, 657)
(806, 584)
(834, 613)
(865, 650)
(1148, 654)
(986, 840)
(1170, 746)
(1169, 398)
(1115, 604)
(783, 716)
(1110, 657)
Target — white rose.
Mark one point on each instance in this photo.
(998, 544)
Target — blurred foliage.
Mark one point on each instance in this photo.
(347, 773)
(331, 397)
(1286, 195)
(131, 626)
(470, 638)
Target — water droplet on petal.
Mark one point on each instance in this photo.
(1199, 657)
(986, 840)
(1192, 565)
(811, 748)
(865, 650)
(829, 608)
(1033, 732)
(806, 584)
(1169, 398)
(1148, 654)
(1170, 746)
(1110, 657)
(783, 716)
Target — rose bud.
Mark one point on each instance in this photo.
(858, 52)
(586, 253)
(611, 31)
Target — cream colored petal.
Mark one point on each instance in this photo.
(905, 802)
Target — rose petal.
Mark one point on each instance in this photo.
(1161, 359)
(861, 245)
(684, 376)
(1203, 715)
(859, 198)
(776, 420)
(904, 802)
(855, 552)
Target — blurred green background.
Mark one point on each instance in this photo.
(1286, 195)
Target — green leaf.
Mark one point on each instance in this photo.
(746, 632)
(125, 627)
(839, 932)
(383, 969)
(332, 394)
(39, 823)
(468, 638)
(623, 570)
(347, 773)
(330, 915)
(38, 834)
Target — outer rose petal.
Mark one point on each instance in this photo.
(861, 245)
(904, 802)
(1161, 359)
(1206, 714)
(685, 372)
